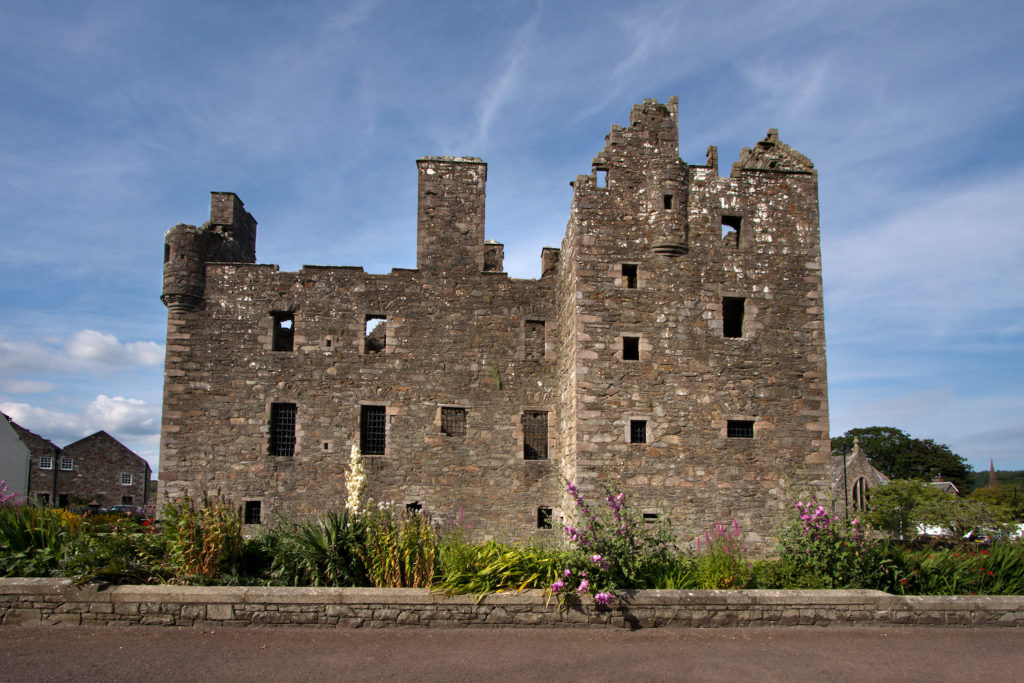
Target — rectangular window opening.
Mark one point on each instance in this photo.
(602, 177)
(126, 479)
(535, 435)
(534, 341)
(253, 512)
(376, 334)
(544, 518)
(127, 500)
(731, 231)
(453, 421)
(631, 348)
(638, 431)
(373, 430)
(45, 462)
(650, 517)
(732, 317)
(43, 498)
(167, 253)
(282, 429)
(740, 429)
(629, 272)
(414, 507)
(669, 201)
(284, 331)
(67, 464)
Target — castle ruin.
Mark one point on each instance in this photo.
(672, 349)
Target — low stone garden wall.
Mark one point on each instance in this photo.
(34, 602)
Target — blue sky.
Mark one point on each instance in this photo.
(119, 118)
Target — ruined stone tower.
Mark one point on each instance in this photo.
(673, 349)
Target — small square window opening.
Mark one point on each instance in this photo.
(453, 421)
(638, 431)
(629, 272)
(631, 348)
(740, 429)
(253, 512)
(544, 518)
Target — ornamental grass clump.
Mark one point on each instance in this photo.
(400, 548)
(613, 548)
(204, 541)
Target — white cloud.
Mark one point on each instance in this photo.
(26, 386)
(90, 345)
(117, 415)
(86, 351)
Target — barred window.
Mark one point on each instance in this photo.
(740, 429)
(252, 511)
(126, 479)
(282, 429)
(373, 430)
(45, 462)
(638, 431)
(544, 517)
(453, 421)
(67, 464)
(535, 435)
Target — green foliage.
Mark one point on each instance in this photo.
(723, 563)
(1005, 497)
(400, 549)
(900, 456)
(33, 541)
(998, 570)
(323, 551)
(492, 567)
(901, 505)
(203, 542)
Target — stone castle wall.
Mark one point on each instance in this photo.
(663, 358)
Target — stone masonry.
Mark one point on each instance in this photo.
(672, 349)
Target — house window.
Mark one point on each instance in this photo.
(535, 435)
(253, 509)
(638, 431)
(534, 341)
(629, 275)
(373, 430)
(46, 462)
(631, 348)
(284, 332)
(453, 421)
(127, 500)
(732, 317)
(376, 334)
(62, 500)
(67, 464)
(126, 479)
(544, 518)
(740, 429)
(282, 429)
(731, 231)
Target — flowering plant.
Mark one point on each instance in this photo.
(9, 498)
(354, 482)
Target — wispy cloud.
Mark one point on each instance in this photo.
(122, 417)
(86, 351)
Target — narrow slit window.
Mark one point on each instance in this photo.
(253, 512)
(638, 431)
(650, 517)
(535, 435)
(376, 332)
(732, 317)
(284, 331)
(629, 273)
(740, 429)
(602, 177)
(731, 231)
(544, 518)
(373, 430)
(668, 201)
(631, 348)
(282, 429)
(453, 421)
(534, 340)
(167, 253)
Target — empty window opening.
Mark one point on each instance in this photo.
(629, 271)
(328, 343)
(376, 334)
(860, 494)
(45, 462)
(327, 445)
(43, 498)
(602, 177)
(167, 253)
(127, 500)
(67, 464)
(732, 317)
(282, 429)
(253, 511)
(414, 506)
(544, 518)
(373, 430)
(453, 421)
(650, 517)
(631, 348)
(668, 201)
(534, 340)
(284, 332)
(740, 429)
(638, 431)
(126, 479)
(731, 231)
(62, 500)
(535, 435)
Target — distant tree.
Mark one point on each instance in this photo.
(900, 456)
(902, 504)
(1007, 496)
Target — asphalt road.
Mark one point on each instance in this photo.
(418, 654)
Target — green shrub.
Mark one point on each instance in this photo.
(399, 549)
(323, 551)
(493, 567)
(33, 541)
(203, 542)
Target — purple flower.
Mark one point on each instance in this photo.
(596, 559)
(584, 587)
(567, 573)
(557, 586)
(603, 598)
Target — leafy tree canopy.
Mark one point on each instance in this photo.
(900, 456)
(901, 505)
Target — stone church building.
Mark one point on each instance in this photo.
(672, 349)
